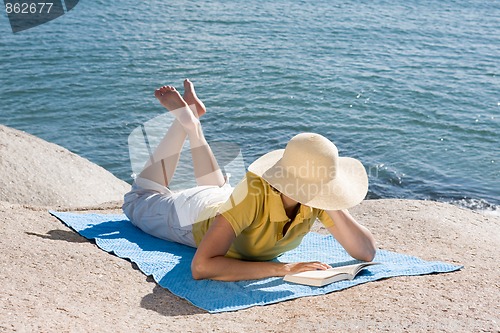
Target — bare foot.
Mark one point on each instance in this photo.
(191, 98)
(173, 102)
(170, 98)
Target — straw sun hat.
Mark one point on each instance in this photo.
(310, 171)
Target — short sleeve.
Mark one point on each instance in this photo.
(325, 219)
(243, 205)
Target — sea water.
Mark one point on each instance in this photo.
(411, 88)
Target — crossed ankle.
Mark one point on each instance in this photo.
(186, 117)
(193, 109)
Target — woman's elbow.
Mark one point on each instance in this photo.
(369, 252)
(197, 270)
(367, 255)
(366, 252)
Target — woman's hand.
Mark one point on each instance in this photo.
(303, 267)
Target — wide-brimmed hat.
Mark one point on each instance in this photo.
(310, 171)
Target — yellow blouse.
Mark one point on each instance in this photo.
(256, 213)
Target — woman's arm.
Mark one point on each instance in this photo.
(210, 262)
(355, 238)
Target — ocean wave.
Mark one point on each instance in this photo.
(480, 205)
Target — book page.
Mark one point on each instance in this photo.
(350, 270)
(319, 274)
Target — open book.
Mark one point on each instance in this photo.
(321, 278)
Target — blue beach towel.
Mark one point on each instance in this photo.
(169, 264)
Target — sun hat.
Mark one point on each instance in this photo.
(310, 171)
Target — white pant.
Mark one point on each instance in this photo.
(158, 211)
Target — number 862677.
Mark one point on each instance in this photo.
(28, 8)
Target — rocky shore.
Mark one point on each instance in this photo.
(53, 280)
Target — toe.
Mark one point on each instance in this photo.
(188, 87)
